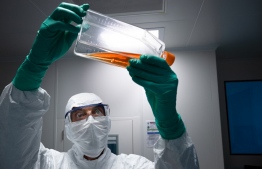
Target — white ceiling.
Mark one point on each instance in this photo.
(187, 24)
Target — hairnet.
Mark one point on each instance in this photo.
(84, 99)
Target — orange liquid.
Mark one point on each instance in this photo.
(121, 58)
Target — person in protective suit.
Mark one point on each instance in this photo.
(23, 103)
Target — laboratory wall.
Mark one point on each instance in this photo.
(238, 62)
(197, 102)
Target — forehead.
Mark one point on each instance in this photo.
(89, 108)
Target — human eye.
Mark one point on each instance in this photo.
(79, 114)
(98, 112)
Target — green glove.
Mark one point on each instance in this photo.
(53, 40)
(160, 84)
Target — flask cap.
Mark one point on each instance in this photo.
(169, 57)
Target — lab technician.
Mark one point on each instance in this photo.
(23, 104)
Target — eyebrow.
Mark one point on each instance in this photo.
(98, 105)
(82, 109)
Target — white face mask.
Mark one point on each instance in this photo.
(89, 136)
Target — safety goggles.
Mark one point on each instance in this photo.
(79, 113)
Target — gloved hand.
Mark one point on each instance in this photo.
(54, 38)
(160, 84)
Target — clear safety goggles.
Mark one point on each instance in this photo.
(80, 113)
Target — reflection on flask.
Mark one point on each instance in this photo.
(121, 58)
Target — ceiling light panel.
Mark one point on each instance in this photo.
(123, 6)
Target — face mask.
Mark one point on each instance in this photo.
(89, 136)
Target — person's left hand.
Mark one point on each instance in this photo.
(160, 84)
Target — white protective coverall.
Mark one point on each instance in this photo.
(21, 115)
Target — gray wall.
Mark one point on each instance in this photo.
(197, 102)
(238, 62)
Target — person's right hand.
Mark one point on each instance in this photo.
(57, 34)
(54, 38)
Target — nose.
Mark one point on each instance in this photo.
(89, 118)
(88, 113)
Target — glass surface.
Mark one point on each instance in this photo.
(115, 40)
(244, 109)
